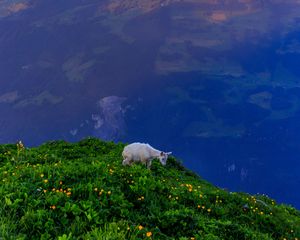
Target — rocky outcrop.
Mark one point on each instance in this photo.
(10, 7)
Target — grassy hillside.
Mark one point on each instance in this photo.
(81, 190)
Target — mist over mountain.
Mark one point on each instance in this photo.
(215, 82)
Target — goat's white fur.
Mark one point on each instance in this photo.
(142, 152)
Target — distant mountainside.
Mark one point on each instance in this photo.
(63, 190)
(72, 54)
(232, 7)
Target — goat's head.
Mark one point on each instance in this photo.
(163, 157)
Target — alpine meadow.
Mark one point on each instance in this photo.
(81, 190)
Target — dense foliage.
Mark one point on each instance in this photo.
(63, 190)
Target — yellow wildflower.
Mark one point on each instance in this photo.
(42, 175)
(209, 210)
(140, 227)
(45, 190)
(149, 234)
(109, 192)
(95, 189)
(20, 145)
(60, 182)
(46, 181)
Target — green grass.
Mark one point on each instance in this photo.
(63, 190)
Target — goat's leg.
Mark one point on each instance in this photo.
(126, 161)
(148, 164)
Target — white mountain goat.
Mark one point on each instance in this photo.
(142, 152)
